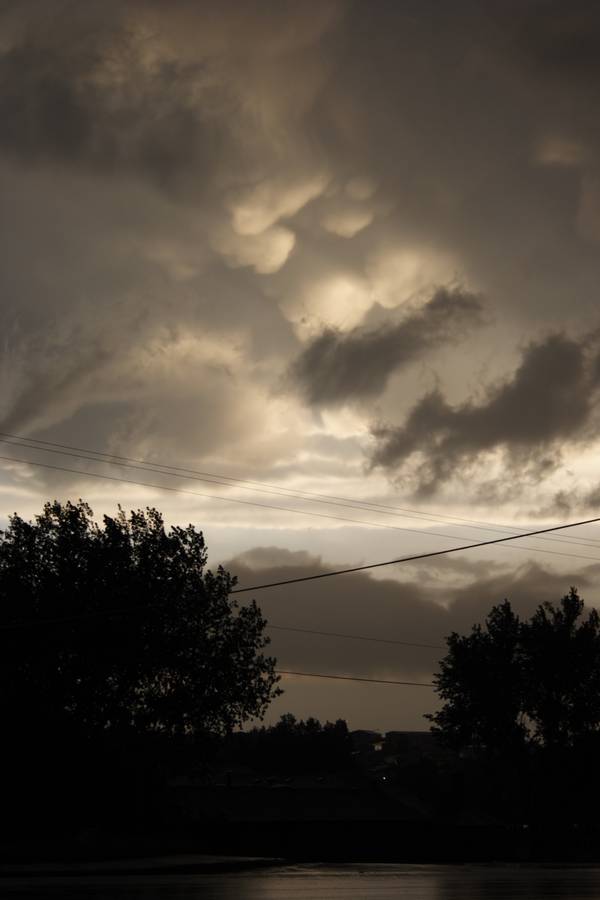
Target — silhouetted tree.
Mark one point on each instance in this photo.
(561, 670)
(481, 683)
(119, 629)
(513, 684)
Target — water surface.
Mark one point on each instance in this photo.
(354, 882)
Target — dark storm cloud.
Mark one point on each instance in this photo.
(565, 38)
(475, 124)
(417, 609)
(338, 367)
(550, 400)
(136, 88)
(57, 103)
(450, 102)
(568, 502)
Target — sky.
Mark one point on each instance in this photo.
(340, 255)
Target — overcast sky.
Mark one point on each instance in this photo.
(348, 248)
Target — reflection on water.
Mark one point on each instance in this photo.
(324, 883)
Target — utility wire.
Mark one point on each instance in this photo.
(391, 562)
(178, 490)
(354, 637)
(261, 487)
(68, 619)
(163, 487)
(321, 575)
(353, 678)
(347, 571)
(125, 611)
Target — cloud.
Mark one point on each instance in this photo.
(564, 41)
(192, 99)
(578, 500)
(92, 102)
(257, 208)
(549, 401)
(347, 222)
(422, 606)
(337, 297)
(277, 177)
(338, 367)
(556, 150)
(266, 251)
(588, 216)
(361, 187)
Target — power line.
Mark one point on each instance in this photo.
(68, 619)
(391, 562)
(177, 490)
(353, 678)
(163, 487)
(63, 620)
(323, 574)
(261, 487)
(126, 611)
(354, 637)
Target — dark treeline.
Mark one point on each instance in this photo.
(126, 664)
(291, 747)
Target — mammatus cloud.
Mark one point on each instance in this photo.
(253, 174)
(338, 367)
(144, 156)
(550, 400)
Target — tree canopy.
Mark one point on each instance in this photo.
(120, 628)
(510, 684)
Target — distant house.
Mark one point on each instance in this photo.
(406, 747)
(366, 741)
